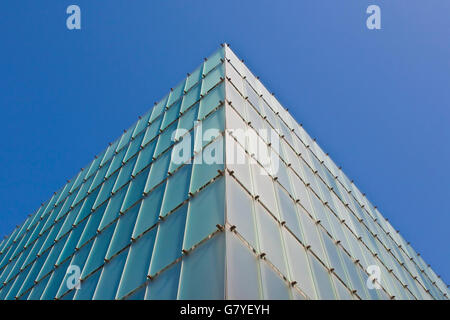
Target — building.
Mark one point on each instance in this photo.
(215, 193)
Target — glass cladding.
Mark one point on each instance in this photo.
(215, 187)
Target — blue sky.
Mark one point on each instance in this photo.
(377, 101)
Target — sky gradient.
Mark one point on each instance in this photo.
(377, 101)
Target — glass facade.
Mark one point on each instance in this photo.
(215, 193)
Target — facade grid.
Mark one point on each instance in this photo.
(283, 222)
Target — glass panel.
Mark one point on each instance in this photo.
(165, 139)
(158, 172)
(238, 162)
(270, 238)
(191, 97)
(242, 271)
(144, 157)
(203, 270)
(152, 131)
(176, 93)
(211, 101)
(213, 60)
(110, 278)
(240, 212)
(158, 108)
(274, 288)
(124, 175)
(187, 121)
(134, 147)
(165, 285)
(142, 124)
(126, 136)
(136, 190)
(92, 225)
(171, 115)
(169, 240)
(206, 210)
(177, 189)
(194, 78)
(149, 211)
(212, 79)
(264, 189)
(298, 264)
(105, 191)
(138, 260)
(122, 235)
(97, 255)
(87, 288)
(207, 164)
(113, 209)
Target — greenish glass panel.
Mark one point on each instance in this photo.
(169, 240)
(54, 282)
(177, 189)
(116, 163)
(159, 108)
(92, 225)
(194, 78)
(182, 153)
(136, 190)
(214, 60)
(97, 255)
(149, 211)
(133, 147)
(158, 172)
(269, 231)
(86, 206)
(202, 271)
(71, 243)
(144, 157)
(136, 267)
(187, 121)
(99, 177)
(165, 285)
(141, 124)
(105, 191)
(211, 128)
(191, 97)
(165, 139)
(212, 79)
(122, 235)
(207, 164)
(152, 131)
(206, 210)
(79, 259)
(124, 175)
(125, 139)
(113, 209)
(176, 93)
(87, 288)
(211, 101)
(171, 115)
(110, 277)
(109, 152)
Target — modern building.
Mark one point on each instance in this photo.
(216, 193)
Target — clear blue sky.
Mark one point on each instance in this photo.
(377, 101)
